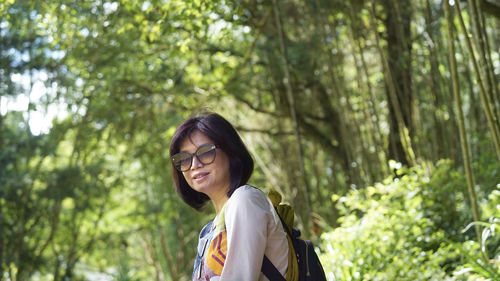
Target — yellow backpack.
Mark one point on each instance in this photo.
(286, 214)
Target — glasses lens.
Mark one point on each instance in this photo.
(206, 154)
(182, 161)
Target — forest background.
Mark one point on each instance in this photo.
(378, 120)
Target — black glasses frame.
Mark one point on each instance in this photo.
(178, 162)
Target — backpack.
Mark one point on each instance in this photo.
(303, 262)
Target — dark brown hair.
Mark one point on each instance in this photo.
(227, 139)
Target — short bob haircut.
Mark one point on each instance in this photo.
(227, 139)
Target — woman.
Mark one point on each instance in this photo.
(211, 163)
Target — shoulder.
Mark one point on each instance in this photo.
(248, 199)
(248, 194)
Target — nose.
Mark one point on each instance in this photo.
(196, 163)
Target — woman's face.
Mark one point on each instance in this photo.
(212, 179)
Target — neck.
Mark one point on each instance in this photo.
(219, 202)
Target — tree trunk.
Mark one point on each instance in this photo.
(397, 24)
(397, 77)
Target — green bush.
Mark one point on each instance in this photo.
(411, 227)
(481, 260)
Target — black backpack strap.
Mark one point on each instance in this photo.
(270, 271)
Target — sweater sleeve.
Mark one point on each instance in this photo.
(247, 215)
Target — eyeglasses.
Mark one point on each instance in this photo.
(205, 154)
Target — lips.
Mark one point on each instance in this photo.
(199, 176)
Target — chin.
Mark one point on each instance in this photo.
(201, 189)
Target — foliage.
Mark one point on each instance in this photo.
(394, 231)
(92, 196)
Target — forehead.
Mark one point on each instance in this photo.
(194, 140)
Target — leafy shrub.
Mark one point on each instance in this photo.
(482, 260)
(409, 227)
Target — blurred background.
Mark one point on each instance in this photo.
(378, 120)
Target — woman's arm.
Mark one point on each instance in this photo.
(247, 215)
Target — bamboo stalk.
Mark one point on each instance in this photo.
(403, 130)
(492, 122)
(293, 113)
(482, 47)
(461, 123)
(440, 144)
(367, 132)
(373, 106)
(492, 79)
(343, 124)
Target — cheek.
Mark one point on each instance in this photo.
(186, 178)
(226, 168)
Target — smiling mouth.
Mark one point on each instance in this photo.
(200, 176)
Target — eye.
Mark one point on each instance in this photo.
(206, 154)
(181, 156)
(206, 148)
(185, 160)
